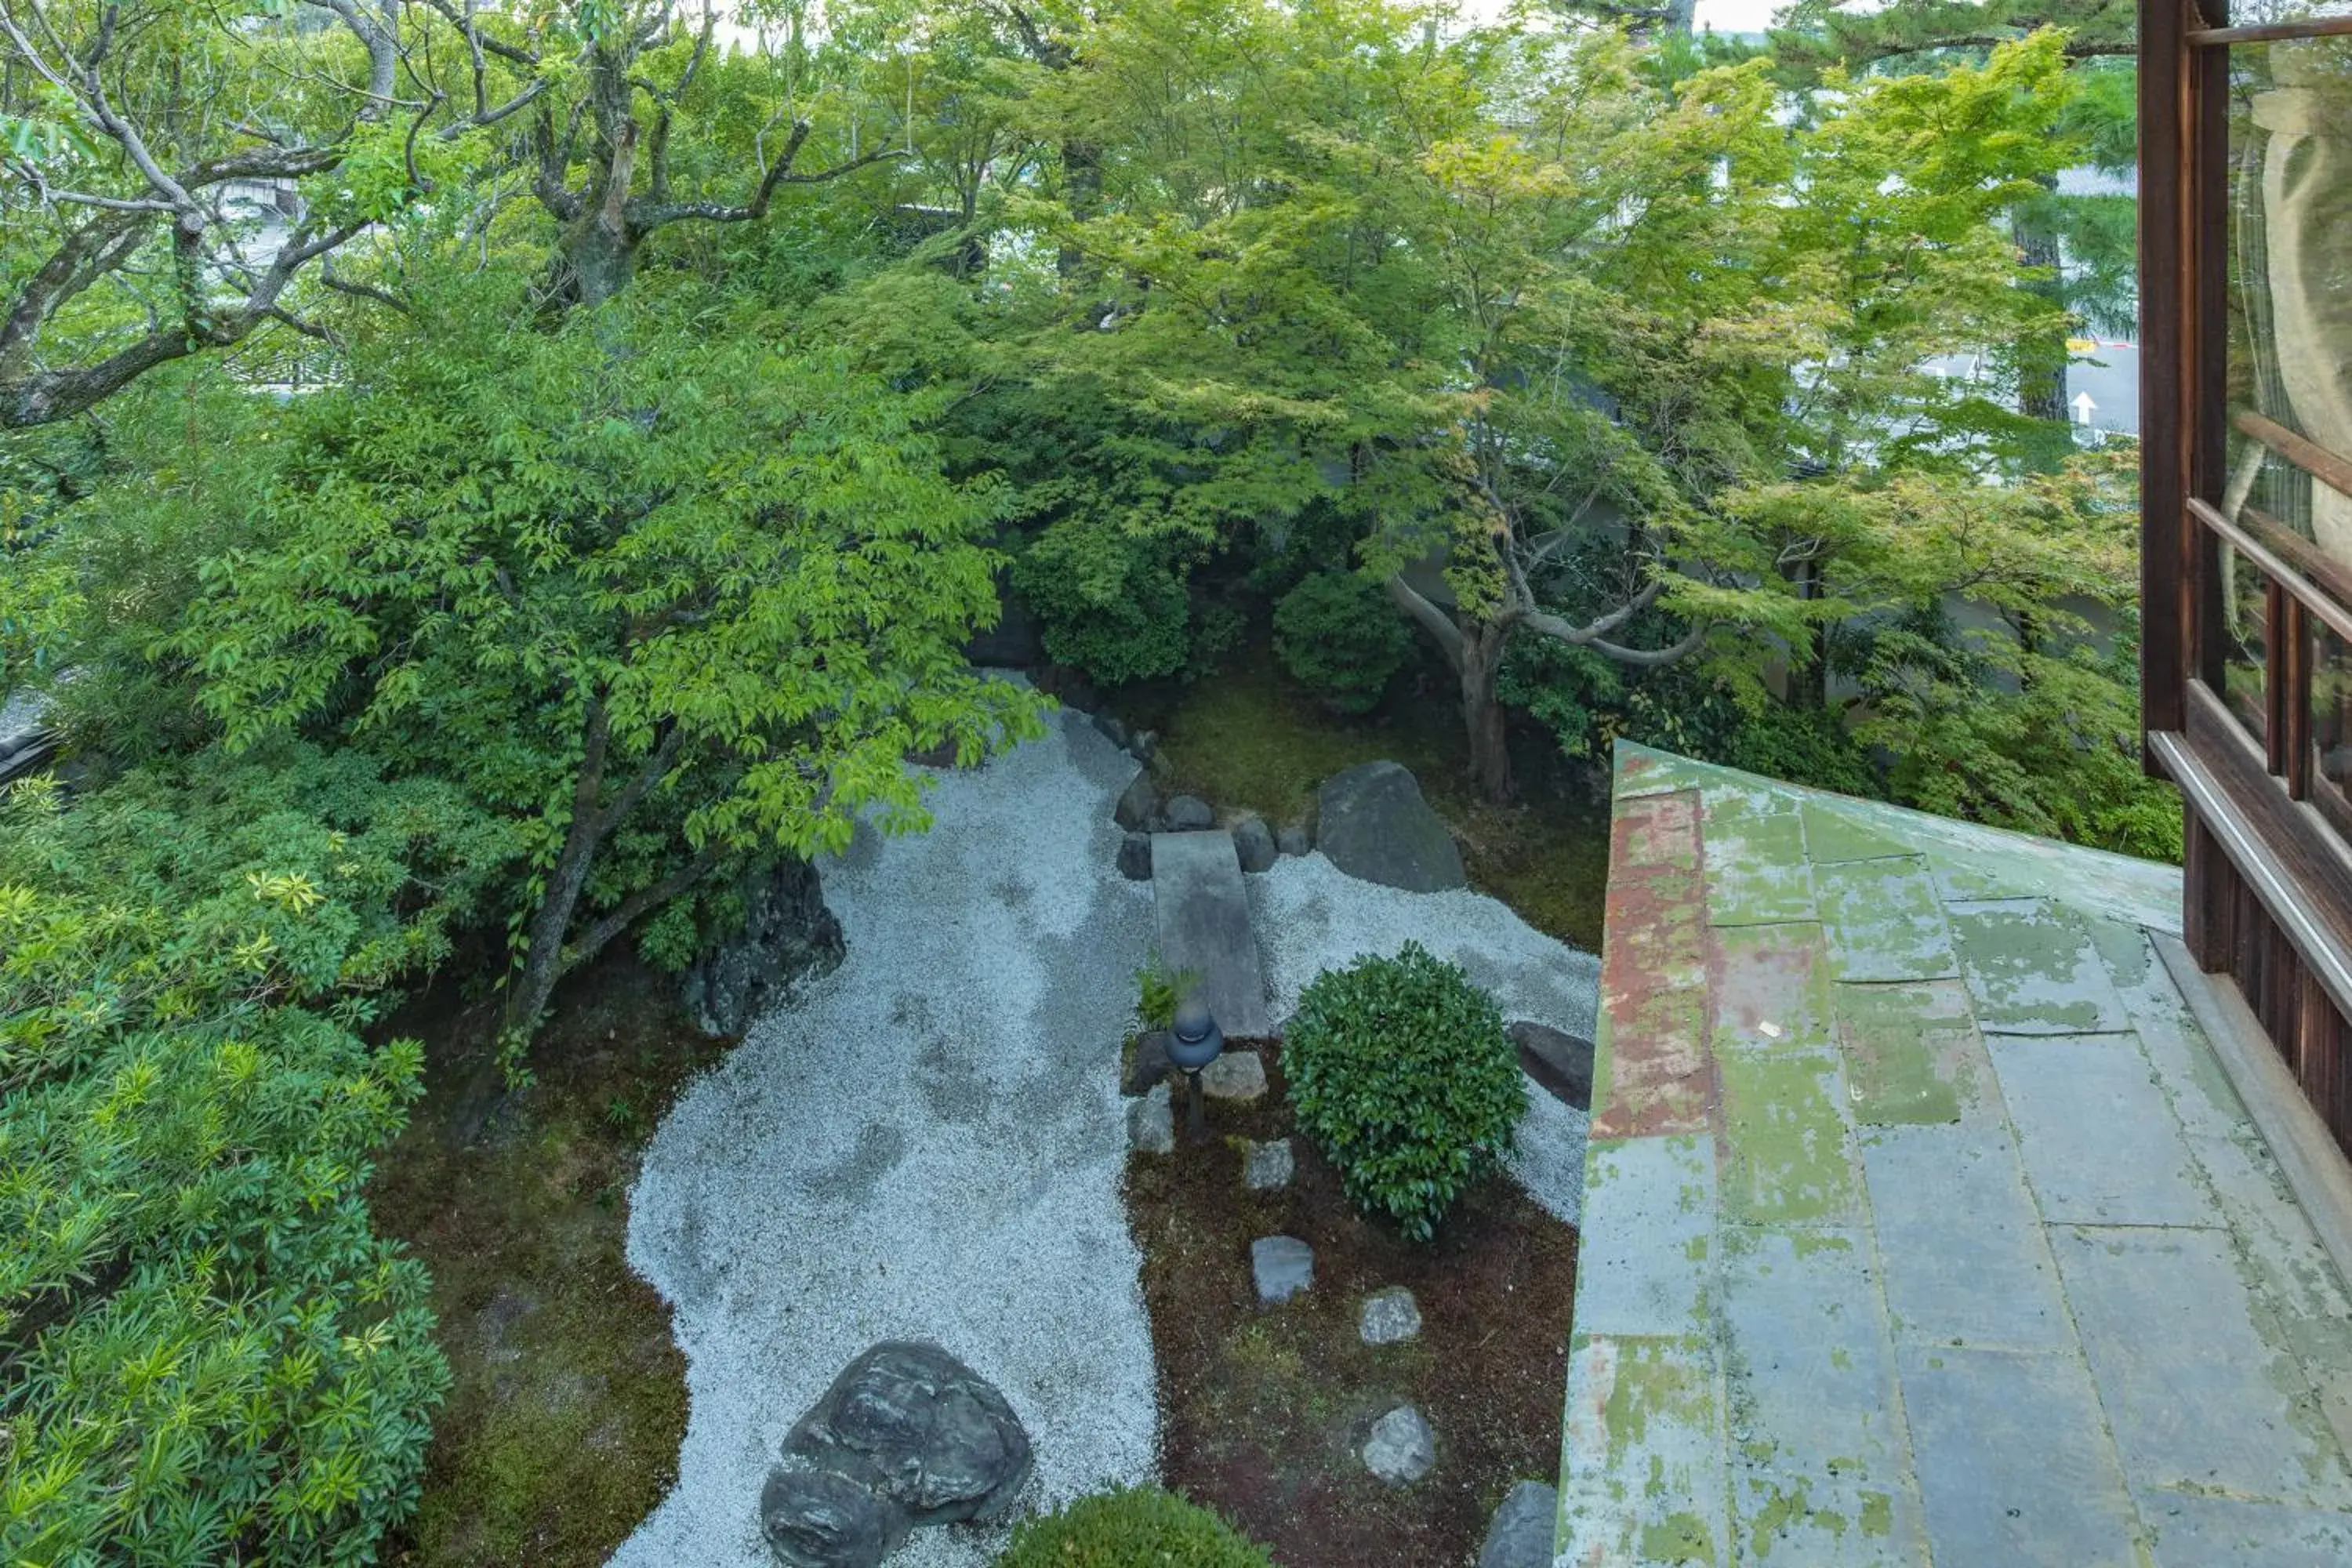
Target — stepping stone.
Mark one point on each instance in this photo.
(1268, 1165)
(1520, 1535)
(1236, 1075)
(1401, 1448)
(1391, 1317)
(1282, 1266)
(1152, 1123)
(1135, 857)
(1202, 914)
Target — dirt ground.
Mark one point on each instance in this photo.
(568, 1398)
(1265, 1408)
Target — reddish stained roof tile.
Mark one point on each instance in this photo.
(1660, 1078)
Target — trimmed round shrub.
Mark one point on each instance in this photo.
(1400, 1071)
(1342, 638)
(1134, 1527)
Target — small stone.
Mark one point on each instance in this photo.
(1255, 844)
(1268, 1166)
(1137, 803)
(1143, 746)
(1520, 1535)
(1111, 728)
(1391, 1317)
(1190, 813)
(1151, 1063)
(1135, 857)
(1401, 1448)
(1293, 840)
(1152, 1123)
(1282, 1266)
(1560, 1061)
(816, 1519)
(1236, 1075)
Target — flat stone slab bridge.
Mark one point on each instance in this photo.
(1203, 915)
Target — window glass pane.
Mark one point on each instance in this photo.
(2245, 610)
(2331, 714)
(2262, 13)
(2291, 271)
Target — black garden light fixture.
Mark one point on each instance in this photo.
(1193, 1041)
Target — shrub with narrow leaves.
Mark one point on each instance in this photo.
(1130, 1528)
(212, 1357)
(1400, 1071)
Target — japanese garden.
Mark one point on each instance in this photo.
(836, 782)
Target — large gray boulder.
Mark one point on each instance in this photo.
(913, 1425)
(788, 936)
(815, 1519)
(1520, 1535)
(1374, 824)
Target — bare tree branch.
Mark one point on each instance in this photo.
(650, 215)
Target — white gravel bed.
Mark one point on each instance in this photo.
(1311, 916)
(927, 1144)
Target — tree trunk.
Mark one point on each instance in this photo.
(1482, 712)
(2042, 366)
(542, 963)
(1082, 173)
(598, 262)
(546, 958)
(1809, 676)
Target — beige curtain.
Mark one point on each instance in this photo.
(2308, 224)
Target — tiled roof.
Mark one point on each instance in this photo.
(1921, 1223)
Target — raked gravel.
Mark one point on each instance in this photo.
(928, 1142)
(1310, 916)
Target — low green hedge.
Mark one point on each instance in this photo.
(1134, 1527)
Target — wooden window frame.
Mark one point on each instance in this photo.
(2269, 872)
